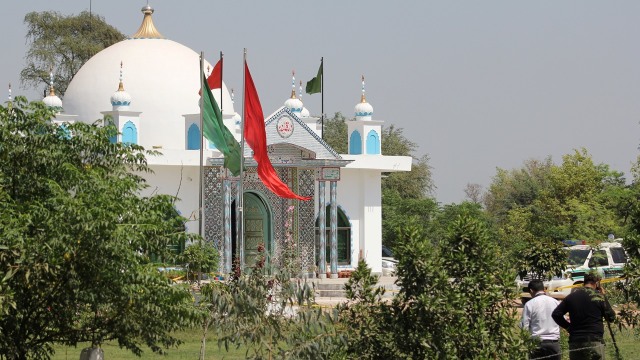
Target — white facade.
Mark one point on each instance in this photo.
(161, 81)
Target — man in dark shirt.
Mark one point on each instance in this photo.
(586, 307)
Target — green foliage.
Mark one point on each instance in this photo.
(366, 318)
(399, 212)
(577, 199)
(454, 301)
(75, 235)
(414, 184)
(270, 314)
(335, 133)
(542, 259)
(200, 258)
(63, 43)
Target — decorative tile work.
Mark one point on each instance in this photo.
(213, 210)
(306, 220)
(301, 181)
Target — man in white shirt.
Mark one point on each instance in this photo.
(536, 318)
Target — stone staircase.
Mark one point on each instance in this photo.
(332, 290)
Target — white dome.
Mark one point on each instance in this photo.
(294, 104)
(363, 109)
(162, 76)
(120, 99)
(304, 113)
(53, 101)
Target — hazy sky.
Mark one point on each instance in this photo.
(476, 84)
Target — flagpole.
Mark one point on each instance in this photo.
(240, 245)
(200, 210)
(322, 97)
(221, 75)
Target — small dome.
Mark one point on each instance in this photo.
(294, 104)
(120, 99)
(236, 118)
(364, 109)
(53, 101)
(304, 113)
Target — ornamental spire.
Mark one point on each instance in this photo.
(363, 99)
(10, 98)
(52, 92)
(293, 84)
(147, 29)
(300, 91)
(121, 85)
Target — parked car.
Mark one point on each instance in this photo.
(388, 262)
(607, 258)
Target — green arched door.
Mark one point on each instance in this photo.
(256, 228)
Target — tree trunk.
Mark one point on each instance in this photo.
(92, 354)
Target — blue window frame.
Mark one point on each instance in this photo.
(355, 143)
(129, 133)
(373, 143)
(193, 137)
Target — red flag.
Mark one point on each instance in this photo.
(215, 78)
(256, 137)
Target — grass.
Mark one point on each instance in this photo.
(190, 349)
(628, 344)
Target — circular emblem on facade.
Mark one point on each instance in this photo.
(285, 126)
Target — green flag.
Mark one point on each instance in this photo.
(315, 85)
(216, 132)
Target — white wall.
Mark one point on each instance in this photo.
(182, 182)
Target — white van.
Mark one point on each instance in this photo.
(607, 258)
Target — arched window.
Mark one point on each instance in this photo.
(373, 143)
(344, 237)
(212, 146)
(355, 143)
(129, 133)
(193, 137)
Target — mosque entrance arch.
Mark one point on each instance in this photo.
(257, 228)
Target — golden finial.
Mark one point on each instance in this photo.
(120, 85)
(147, 29)
(363, 99)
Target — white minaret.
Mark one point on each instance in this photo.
(127, 122)
(293, 103)
(363, 132)
(52, 100)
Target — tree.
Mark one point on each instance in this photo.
(200, 258)
(64, 44)
(473, 192)
(453, 303)
(335, 133)
(74, 237)
(366, 318)
(269, 313)
(577, 199)
(454, 296)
